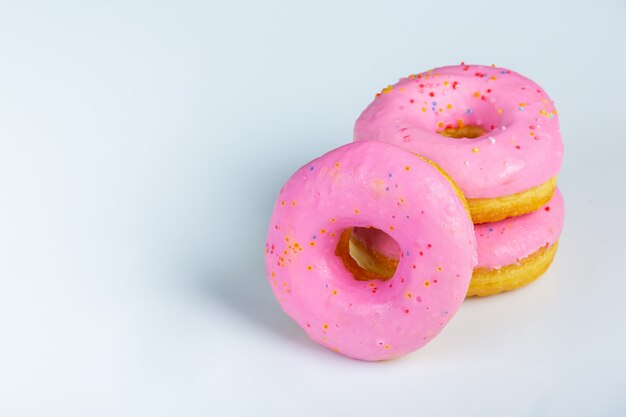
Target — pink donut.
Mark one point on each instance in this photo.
(373, 185)
(506, 138)
(509, 241)
(511, 252)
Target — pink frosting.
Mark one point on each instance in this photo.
(522, 146)
(370, 184)
(508, 241)
(499, 244)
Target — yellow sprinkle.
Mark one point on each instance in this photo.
(323, 231)
(475, 150)
(406, 168)
(424, 109)
(337, 165)
(499, 111)
(445, 82)
(449, 106)
(493, 77)
(310, 268)
(356, 211)
(387, 89)
(440, 124)
(325, 326)
(460, 123)
(387, 347)
(409, 295)
(522, 104)
(293, 203)
(282, 203)
(335, 292)
(312, 243)
(476, 94)
(439, 269)
(426, 283)
(392, 228)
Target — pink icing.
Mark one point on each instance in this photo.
(499, 244)
(508, 241)
(370, 184)
(521, 149)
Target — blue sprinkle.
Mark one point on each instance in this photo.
(314, 237)
(407, 253)
(390, 175)
(311, 169)
(502, 72)
(434, 103)
(491, 229)
(469, 111)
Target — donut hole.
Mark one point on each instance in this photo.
(368, 253)
(470, 118)
(463, 132)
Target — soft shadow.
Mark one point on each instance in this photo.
(246, 293)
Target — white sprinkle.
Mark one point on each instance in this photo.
(492, 140)
(503, 127)
(466, 163)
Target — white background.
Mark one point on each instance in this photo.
(142, 145)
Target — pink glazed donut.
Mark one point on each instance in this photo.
(495, 132)
(373, 185)
(511, 252)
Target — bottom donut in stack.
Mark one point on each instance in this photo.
(511, 252)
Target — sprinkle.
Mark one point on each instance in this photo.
(426, 283)
(387, 89)
(467, 163)
(356, 211)
(406, 168)
(475, 150)
(547, 208)
(335, 292)
(492, 140)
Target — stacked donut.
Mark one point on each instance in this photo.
(448, 191)
(496, 133)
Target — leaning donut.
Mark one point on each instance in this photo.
(495, 132)
(361, 314)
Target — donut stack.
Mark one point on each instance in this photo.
(448, 191)
(496, 133)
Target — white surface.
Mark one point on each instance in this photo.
(142, 146)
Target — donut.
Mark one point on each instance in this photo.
(516, 251)
(495, 132)
(363, 314)
(511, 253)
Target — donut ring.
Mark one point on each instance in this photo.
(511, 253)
(495, 132)
(370, 185)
